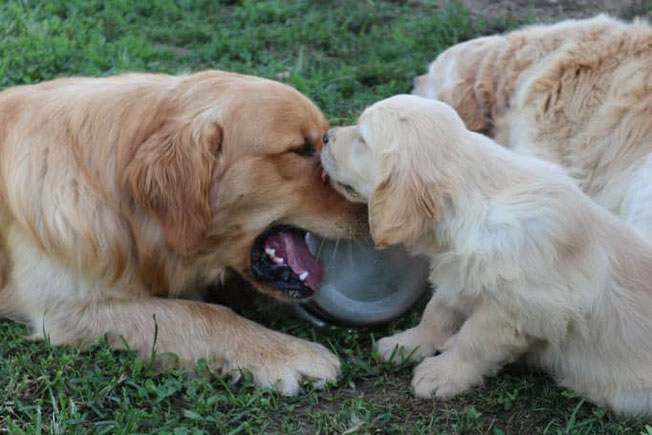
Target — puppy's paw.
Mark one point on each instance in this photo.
(294, 361)
(443, 377)
(415, 343)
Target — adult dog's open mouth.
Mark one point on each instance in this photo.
(281, 257)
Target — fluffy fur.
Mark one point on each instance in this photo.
(120, 196)
(524, 263)
(578, 93)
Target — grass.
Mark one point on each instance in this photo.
(344, 55)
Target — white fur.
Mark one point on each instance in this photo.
(576, 93)
(523, 262)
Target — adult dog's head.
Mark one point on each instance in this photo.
(396, 160)
(230, 179)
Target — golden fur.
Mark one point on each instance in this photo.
(523, 262)
(578, 93)
(116, 190)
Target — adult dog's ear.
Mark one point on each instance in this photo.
(400, 208)
(473, 94)
(169, 176)
(465, 100)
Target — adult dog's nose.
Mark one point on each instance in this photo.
(326, 138)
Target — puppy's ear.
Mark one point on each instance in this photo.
(399, 210)
(169, 176)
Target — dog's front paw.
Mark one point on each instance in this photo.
(414, 343)
(291, 362)
(443, 377)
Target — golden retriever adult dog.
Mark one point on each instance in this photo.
(121, 196)
(524, 263)
(578, 93)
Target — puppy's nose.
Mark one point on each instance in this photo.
(326, 138)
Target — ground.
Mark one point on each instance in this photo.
(515, 11)
(344, 55)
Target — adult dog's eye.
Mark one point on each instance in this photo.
(307, 150)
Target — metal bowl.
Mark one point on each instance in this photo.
(363, 286)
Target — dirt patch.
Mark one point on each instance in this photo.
(547, 11)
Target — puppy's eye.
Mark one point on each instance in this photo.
(306, 150)
(349, 189)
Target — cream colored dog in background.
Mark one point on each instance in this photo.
(524, 263)
(577, 93)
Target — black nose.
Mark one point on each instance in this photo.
(325, 138)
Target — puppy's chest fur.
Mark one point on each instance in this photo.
(470, 261)
(508, 253)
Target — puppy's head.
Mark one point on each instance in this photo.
(391, 160)
(453, 77)
(232, 178)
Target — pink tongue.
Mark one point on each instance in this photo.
(292, 248)
(323, 176)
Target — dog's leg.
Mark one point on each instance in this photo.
(438, 323)
(10, 305)
(637, 203)
(484, 344)
(193, 330)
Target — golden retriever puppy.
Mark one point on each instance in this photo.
(121, 196)
(523, 262)
(578, 93)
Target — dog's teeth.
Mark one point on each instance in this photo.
(271, 253)
(303, 276)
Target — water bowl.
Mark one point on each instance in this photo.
(363, 286)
